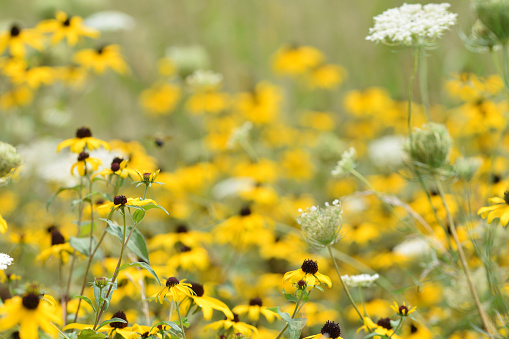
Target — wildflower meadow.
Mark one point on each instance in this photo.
(261, 169)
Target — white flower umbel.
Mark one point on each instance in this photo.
(360, 280)
(322, 225)
(5, 260)
(239, 135)
(387, 152)
(410, 25)
(202, 79)
(346, 164)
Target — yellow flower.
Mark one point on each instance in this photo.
(83, 139)
(209, 101)
(294, 60)
(498, 209)
(84, 160)
(121, 201)
(234, 324)
(262, 105)
(205, 302)
(403, 309)
(297, 164)
(16, 38)
(115, 328)
(326, 76)
(309, 274)
(30, 311)
(3, 225)
(175, 290)
(71, 75)
(17, 97)
(59, 248)
(101, 59)
(68, 27)
(383, 327)
(330, 330)
(147, 176)
(118, 167)
(254, 309)
(161, 98)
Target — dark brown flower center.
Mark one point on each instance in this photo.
(198, 289)
(403, 310)
(120, 315)
(385, 323)
(57, 238)
(115, 167)
(82, 156)
(181, 229)
(67, 22)
(506, 197)
(30, 301)
(301, 283)
(255, 301)
(120, 200)
(331, 329)
(83, 132)
(15, 30)
(309, 266)
(184, 248)
(413, 329)
(245, 211)
(172, 282)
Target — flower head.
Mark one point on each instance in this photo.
(321, 225)
(403, 310)
(84, 159)
(102, 58)
(174, 290)
(362, 280)
(5, 260)
(147, 177)
(254, 309)
(10, 159)
(66, 27)
(121, 201)
(17, 38)
(498, 209)
(330, 330)
(346, 164)
(309, 274)
(83, 140)
(412, 24)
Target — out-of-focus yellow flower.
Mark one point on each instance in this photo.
(84, 159)
(83, 139)
(262, 105)
(205, 302)
(16, 38)
(469, 87)
(209, 101)
(254, 309)
(326, 76)
(297, 164)
(371, 101)
(166, 67)
(71, 75)
(383, 327)
(321, 121)
(99, 60)
(3, 225)
(161, 98)
(66, 27)
(16, 97)
(295, 60)
(235, 324)
(263, 171)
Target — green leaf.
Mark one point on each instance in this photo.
(291, 297)
(101, 297)
(295, 327)
(136, 244)
(138, 216)
(142, 265)
(60, 190)
(285, 316)
(273, 309)
(87, 300)
(82, 245)
(91, 334)
(112, 320)
(149, 207)
(171, 324)
(302, 295)
(85, 229)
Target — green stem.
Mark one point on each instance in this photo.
(180, 320)
(345, 288)
(362, 301)
(398, 327)
(423, 82)
(146, 190)
(487, 325)
(506, 65)
(409, 94)
(115, 274)
(295, 312)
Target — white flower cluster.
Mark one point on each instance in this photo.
(5, 260)
(346, 164)
(360, 280)
(239, 134)
(321, 225)
(387, 152)
(204, 79)
(412, 24)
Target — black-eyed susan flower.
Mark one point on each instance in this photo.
(326, 76)
(205, 302)
(330, 330)
(59, 248)
(498, 209)
(232, 325)
(309, 274)
(383, 327)
(30, 311)
(83, 139)
(121, 328)
(16, 39)
(99, 60)
(403, 310)
(118, 167)
(254, 309)
(122, 201)
(17, 97)
(161, 98)
(148, 177)
(174, 290)
(295, 60)
(84, 159)
(66, 27)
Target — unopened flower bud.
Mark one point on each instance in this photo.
(430, 146)
(10, 159)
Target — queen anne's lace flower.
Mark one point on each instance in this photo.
(412, 24)
(5, 260)
(362, 280)
(321, 225)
